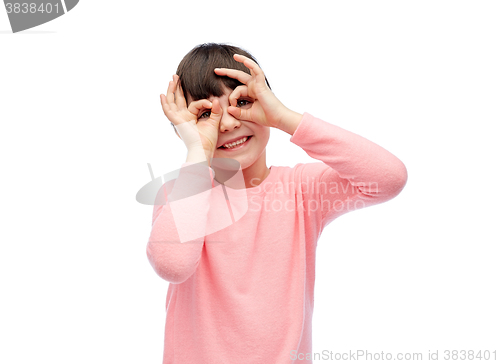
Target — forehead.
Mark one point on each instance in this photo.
(227, 92)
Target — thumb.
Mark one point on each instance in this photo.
(239, 113)
(216, 112)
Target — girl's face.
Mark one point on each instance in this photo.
(252, 152)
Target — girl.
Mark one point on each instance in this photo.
(241, 261)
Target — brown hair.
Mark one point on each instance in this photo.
(196, 70)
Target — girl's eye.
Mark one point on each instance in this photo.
(205, 115)
(242, 102)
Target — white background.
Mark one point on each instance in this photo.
(81, 117)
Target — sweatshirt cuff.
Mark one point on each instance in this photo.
(303, 129)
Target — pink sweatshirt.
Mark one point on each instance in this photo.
(245, 293)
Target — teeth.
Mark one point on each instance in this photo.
(238, 142)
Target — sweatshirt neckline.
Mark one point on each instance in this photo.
(257, 190)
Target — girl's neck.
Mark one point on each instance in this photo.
(253, 176)
(257, 172)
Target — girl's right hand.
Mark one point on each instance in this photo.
(176, 110)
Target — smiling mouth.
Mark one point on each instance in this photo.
(236, 146)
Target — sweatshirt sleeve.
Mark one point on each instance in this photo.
(355, 172)
(179, 221)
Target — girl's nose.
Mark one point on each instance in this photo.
(228, 122)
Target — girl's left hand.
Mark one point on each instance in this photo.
(266, 109)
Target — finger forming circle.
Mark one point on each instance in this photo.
(241, 76)
(240, 91)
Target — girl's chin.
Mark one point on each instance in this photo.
(242, 160)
